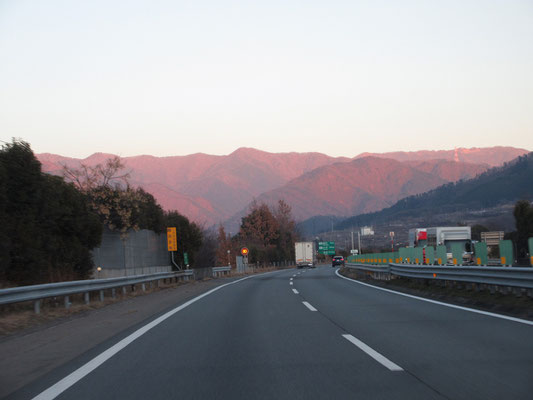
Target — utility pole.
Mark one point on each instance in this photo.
(359, 239)
(352, 241)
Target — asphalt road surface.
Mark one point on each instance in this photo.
(304, 334)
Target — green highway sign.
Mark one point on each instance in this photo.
(186, 259)
(327, 248)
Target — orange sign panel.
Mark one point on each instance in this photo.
(244, 251)
(172, 239)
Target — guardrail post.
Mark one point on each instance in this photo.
(113, 293)
(101, 295)
(143, 287)
(67, 302)
(86, 297)
(124, 290)
(37, 306)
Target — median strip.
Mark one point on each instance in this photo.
(373, 353)
(309, 306)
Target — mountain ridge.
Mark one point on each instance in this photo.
(213, 188)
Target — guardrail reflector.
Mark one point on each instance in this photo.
(434, 275)
(503, 261)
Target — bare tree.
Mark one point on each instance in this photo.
(86, 178)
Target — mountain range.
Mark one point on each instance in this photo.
(499, 185)
(213, 189)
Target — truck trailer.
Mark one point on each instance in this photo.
(305, 254)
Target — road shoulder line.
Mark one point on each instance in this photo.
(490, 314)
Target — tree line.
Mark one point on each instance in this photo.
(49, 224)
(268, 233)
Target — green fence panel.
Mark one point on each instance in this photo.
(417, 255)
(480, 249)
(396, 256)
(530, 244)
(430, 255)
(402, 253)
(506, 252)
(441, 255)
(457, 254)
(410, 255)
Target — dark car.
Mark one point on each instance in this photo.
(337, 260)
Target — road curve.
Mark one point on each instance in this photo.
(304, 334)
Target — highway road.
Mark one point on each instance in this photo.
(304, 334)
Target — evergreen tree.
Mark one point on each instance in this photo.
(47, 229)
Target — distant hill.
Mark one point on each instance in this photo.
(493, 156)
(207, 188)
(362, 185)
(211, 189)
(499, 185)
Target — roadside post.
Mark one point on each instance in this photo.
(244, 252)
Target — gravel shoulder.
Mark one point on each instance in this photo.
(35, 350)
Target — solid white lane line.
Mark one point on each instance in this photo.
(55, 390)
(373, 353)
(290, 283)
(290, 279)
(440, 303)
(309, 306)
(295, 291)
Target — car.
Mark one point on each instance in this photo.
(337, 260)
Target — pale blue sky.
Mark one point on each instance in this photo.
(339, 77)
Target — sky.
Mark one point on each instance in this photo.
(338, 77)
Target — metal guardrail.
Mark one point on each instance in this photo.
(65, 289)
(499, 276)
(219, 270)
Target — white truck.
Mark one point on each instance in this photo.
(305, 254)
(443, 235)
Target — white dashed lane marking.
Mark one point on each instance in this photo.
(309, 306)
(373, 353)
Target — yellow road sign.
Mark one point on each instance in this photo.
(172, 239)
